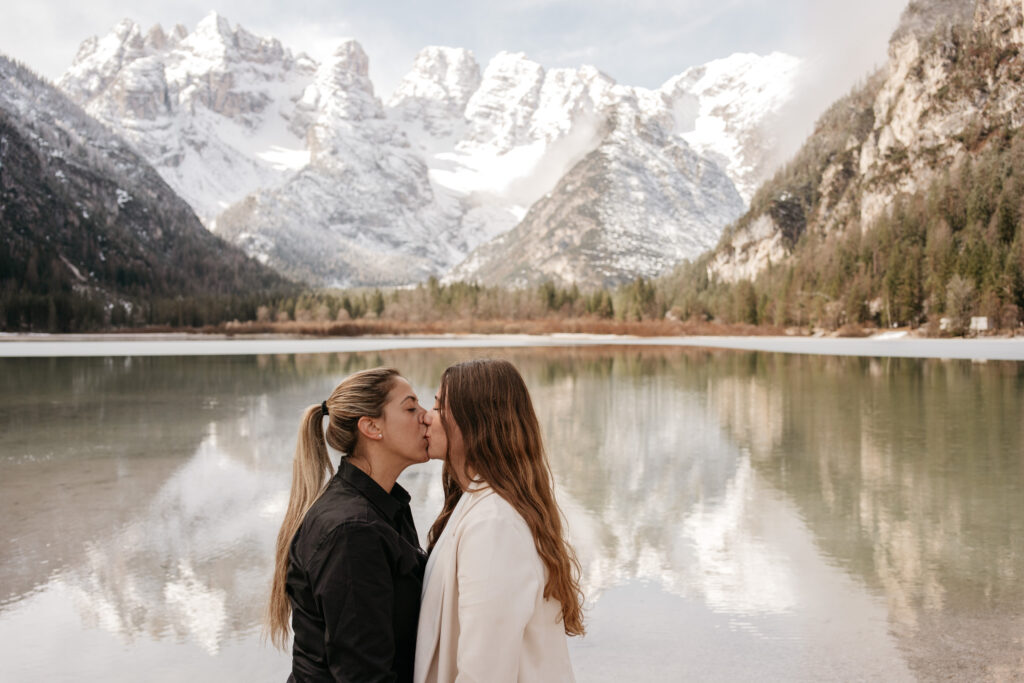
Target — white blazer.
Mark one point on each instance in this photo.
(483, 617)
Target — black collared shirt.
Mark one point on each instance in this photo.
(354, 580)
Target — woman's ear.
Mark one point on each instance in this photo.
(369, 428)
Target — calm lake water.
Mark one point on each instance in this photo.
(739, 515)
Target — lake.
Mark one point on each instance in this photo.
(739, 515)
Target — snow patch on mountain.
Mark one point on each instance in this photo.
(726, 109)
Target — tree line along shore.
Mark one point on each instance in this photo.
(943, 256)
(641, 308)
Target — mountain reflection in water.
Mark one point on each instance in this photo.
(846, 510)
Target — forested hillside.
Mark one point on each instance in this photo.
(905, 204)
(94, 237)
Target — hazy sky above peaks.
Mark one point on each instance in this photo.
(637, 42)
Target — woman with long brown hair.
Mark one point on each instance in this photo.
(349, 566)
(501, 590)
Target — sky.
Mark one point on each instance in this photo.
(636, 42)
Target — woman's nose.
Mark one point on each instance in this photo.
(426, 419)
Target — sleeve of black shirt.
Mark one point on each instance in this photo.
(355, 591)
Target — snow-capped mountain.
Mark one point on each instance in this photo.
(638, 204)
(304, 166)
(514, 139)
(608, 186)
(523, 163)
(215, 111)
(363, 210)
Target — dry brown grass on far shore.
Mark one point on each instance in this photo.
(375, 327)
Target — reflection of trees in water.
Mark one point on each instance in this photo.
(73, 408)
(910, 474)
(159, 483)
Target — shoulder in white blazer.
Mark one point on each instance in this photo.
(483, 617)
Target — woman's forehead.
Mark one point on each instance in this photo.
(401, 390)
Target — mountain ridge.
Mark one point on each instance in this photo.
(230, 119)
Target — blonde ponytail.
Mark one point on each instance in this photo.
(361, 394)
(311, 470)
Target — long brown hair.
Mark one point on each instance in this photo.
(490, 404)
(360, 394)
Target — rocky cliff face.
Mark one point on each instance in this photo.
(303, 165)
(363, 210)
(953, 80)
(434, 94)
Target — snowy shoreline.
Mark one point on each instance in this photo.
(885, 345)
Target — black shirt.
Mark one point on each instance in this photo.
(354, 580)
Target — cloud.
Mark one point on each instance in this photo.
(841, 44)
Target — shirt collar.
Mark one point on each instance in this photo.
(389, 504)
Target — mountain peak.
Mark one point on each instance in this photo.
(438, 87)
(921, 18)
(448, 66)
(165, 80)
(212, 39)
(214, 25)
(99, 59)
(125, 28)
(349, 57)
(724, 109)
(453, 54)
(512, 61)
(156, 38)
(341, 90)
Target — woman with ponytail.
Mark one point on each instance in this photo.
(501, 590)
(349, 568)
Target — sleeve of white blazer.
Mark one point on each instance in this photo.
(498, 581)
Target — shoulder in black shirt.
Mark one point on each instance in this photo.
(354, 581)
